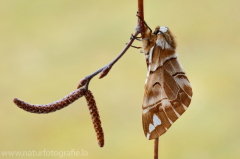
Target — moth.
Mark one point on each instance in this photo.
(168, 92)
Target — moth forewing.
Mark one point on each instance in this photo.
(167, 92)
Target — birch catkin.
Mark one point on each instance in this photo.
(95, 117)
(51, 107)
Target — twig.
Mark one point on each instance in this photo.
(86, 80)
(104, 70)
(47, 108)
(140, 12)
(156, 148)
(141, 27)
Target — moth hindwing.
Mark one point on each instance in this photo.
(168, 92)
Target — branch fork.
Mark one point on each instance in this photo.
(82, 88)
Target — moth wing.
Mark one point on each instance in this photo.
(167, 93)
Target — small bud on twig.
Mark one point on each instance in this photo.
(104, 72)
(82, 82)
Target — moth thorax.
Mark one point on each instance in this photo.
(162, 42)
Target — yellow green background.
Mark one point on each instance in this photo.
(46, 47)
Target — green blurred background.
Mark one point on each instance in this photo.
(46, 47)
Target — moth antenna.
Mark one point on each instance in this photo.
(95, 117)
(166, 38)
(144, 23)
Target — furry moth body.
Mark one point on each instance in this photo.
(168, 92)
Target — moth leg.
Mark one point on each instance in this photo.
(138, 38)
(135, 37)
(135, 46)
(145, 39)
(144, 23)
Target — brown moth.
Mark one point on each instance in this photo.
(168, 92)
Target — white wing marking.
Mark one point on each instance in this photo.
(156, 120)
(151, 127)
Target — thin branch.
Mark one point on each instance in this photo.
(86, 80)
(141, 28)
(156, 148)
(141, 15)
(47, 108)
(140, 25)
(104, 70)
(51, 107)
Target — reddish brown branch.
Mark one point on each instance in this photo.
(141, 28)
(95, 117)
(141, 15)
(52, 107)
(47, 108)
(104, 70)
(140, 25)
(156, 148)
(84, 91)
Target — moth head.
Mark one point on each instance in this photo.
(149, 40)
(165, 38)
